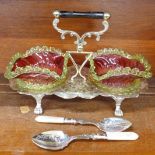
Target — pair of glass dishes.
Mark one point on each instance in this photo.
(45, 69)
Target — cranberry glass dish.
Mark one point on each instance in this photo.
(39, 70)
(117, 72)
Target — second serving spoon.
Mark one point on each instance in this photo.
(112, 124)
(57, 140)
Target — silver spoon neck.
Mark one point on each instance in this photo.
(86, 122)
(90, 136)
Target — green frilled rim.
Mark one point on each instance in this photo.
(27, 86)
(129, 89)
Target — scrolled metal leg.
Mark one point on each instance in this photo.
(38, 109)
(118, 111)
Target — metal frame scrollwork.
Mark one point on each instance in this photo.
(79, 69)
(80, 40)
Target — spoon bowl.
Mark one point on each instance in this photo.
(113, 124)
(53, 140)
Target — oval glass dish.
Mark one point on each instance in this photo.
(39, 70)
(117, 72)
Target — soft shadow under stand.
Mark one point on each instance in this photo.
(77, 84)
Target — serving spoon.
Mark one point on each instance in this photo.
(112, 124)
(57, 140)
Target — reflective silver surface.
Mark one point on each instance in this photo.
(112, 124)
(80, 88)
(57, 140)
(80, 40)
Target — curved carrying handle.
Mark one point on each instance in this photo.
(75, 14)
(80, 40)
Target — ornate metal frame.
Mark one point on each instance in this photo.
(80, 41)
(72, 89)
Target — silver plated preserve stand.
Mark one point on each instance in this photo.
(77, 84)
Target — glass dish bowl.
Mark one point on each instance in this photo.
(39, 70)
(117, 72)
